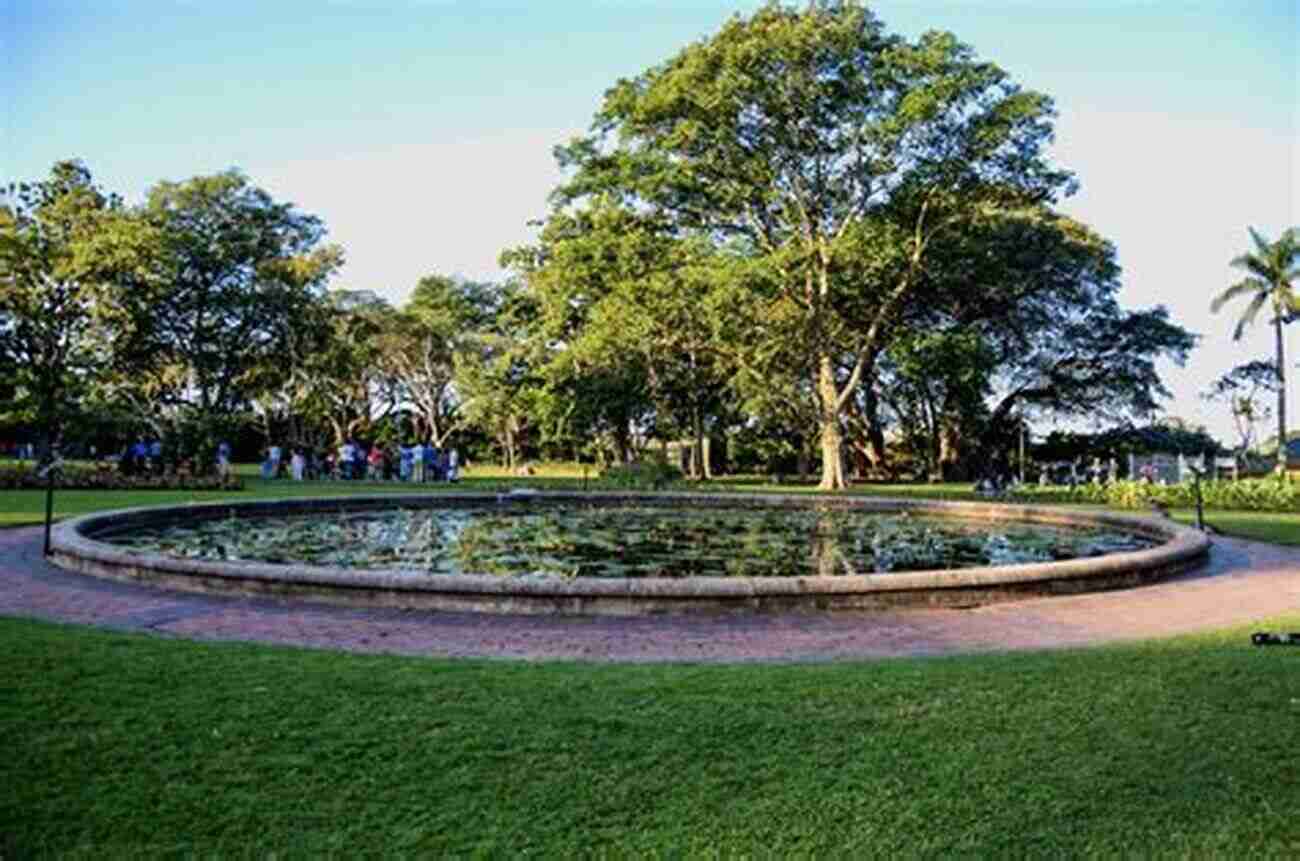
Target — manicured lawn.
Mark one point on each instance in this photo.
(1275, 527)
(125, 745)
(28, 506)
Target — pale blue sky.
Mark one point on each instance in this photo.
(420, 130)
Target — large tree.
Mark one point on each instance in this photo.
(1032, 295)
(842, 154)
(647, 308)
(1272, 268)
(497, 379)
(241, 272)
(66, 250)
(328, 385)
(419, 348)
(580, 260)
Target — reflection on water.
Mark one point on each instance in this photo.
(629, 541)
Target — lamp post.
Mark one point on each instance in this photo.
(1022, 449)
(1197, 472)
(49, 472)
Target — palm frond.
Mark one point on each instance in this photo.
(1241, 288)
(1248, 317)
(1264, 247)
(1253, 264)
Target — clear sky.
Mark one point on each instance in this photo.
(420, 130)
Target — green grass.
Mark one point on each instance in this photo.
(125, 745)
(1274, 527)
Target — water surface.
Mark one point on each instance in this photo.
(629, 541)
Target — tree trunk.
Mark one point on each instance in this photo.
(622, 444)
(1281, 396)
(828, 395)
(875, 433)
(700, 454)
(950, 448)
(508, 446)
(934, 443)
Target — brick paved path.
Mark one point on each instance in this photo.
(1243, 581)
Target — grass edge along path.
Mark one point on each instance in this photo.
(130, 745)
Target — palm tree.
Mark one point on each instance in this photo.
(1272, 267)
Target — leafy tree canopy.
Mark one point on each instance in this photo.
(839, 153)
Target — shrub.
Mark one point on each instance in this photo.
(1251, 494)
(642, 475)
(90, 478)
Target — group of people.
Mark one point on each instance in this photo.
(356, 461)
(140, 457)
(18, 450)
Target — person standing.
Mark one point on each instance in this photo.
(453, 463)
(345, 459)
(273, 456)
(139, 455)
(358, 460)
(223, 458)
(376, 461)
(417, 462)
(405, 461)
(297, 465)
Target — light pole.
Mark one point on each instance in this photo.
(1022, 449)
(49, 472)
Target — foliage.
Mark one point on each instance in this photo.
(66, 251)
(333, 385)
(837, 154)
(83, 478)
(663, 313)
(240, 278)
(419, 348)
(1033, 294)
(1249, 494)
(592, 386)
(938, 381)
(1242, 388)
(1160, 437)
(498, 376)
(642, 475)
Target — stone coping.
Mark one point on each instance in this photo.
(75, 546)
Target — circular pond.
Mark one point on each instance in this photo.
(627, 540)
(628, 553)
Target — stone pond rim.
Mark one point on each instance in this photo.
(74, 546)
